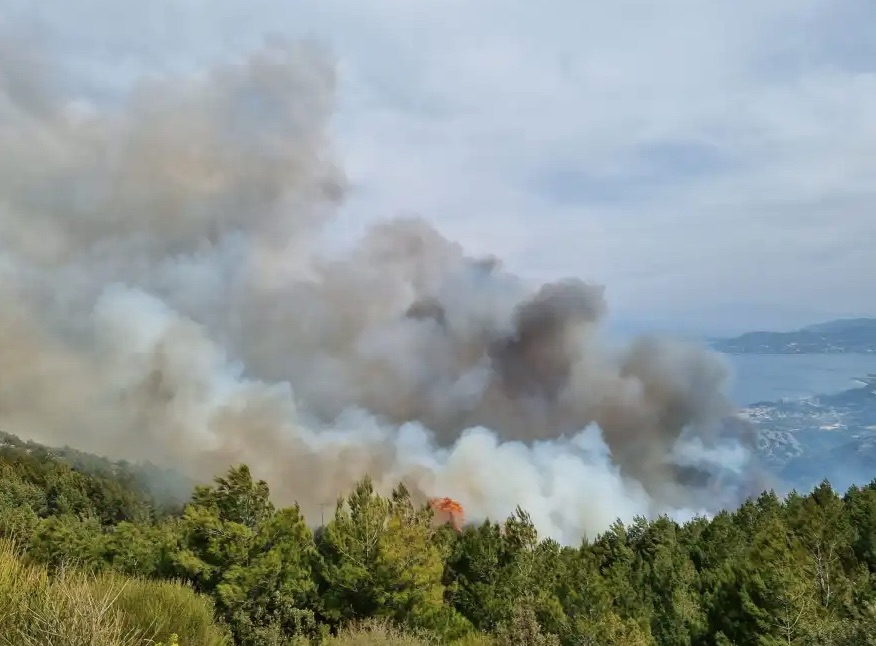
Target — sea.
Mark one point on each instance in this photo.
(772, 377)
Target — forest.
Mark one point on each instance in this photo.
(90, 553)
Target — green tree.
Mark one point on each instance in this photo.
(21, 504)
(378, 560)
(776, 595)
(670, 589)
(141, 549)
(255, 561)
(61, 541)
(493, 566)
(825, 532)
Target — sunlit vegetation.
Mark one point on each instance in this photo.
(91, 558)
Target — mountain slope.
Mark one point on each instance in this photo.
(841, 335)
(163, 489)
(827, 436)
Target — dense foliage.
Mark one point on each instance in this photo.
(793, 571)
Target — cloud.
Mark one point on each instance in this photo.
(708, 162)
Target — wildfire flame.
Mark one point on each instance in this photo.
(451, 508)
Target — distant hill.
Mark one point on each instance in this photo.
(165, 489)
(826, 436)
(842, 335)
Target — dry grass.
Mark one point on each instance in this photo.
(379, 633)
(74, 609)
(475, 639)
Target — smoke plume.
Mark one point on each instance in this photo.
(165, 294)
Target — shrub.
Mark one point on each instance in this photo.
(71, 608)
(379, 633)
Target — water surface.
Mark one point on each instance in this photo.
(770, 377)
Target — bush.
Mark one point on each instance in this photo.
(475, 639)
(379, 633)
(71, 608)
(166, 608)
(524, 629)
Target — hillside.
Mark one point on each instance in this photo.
(164, 490)
(842, 335)
(826, 436)
(770, 572)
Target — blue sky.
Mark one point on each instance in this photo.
(711, 163)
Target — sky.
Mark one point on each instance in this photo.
(710, 163)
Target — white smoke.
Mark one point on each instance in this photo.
(164, 295)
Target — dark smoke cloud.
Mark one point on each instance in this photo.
(164, 295)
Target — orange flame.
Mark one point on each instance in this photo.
(452, 509)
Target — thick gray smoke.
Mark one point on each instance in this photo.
(165, 295)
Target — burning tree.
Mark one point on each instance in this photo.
(448, 510)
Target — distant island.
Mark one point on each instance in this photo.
(833, 337)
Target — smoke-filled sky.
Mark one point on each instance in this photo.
(711, 163)
(172, 288)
